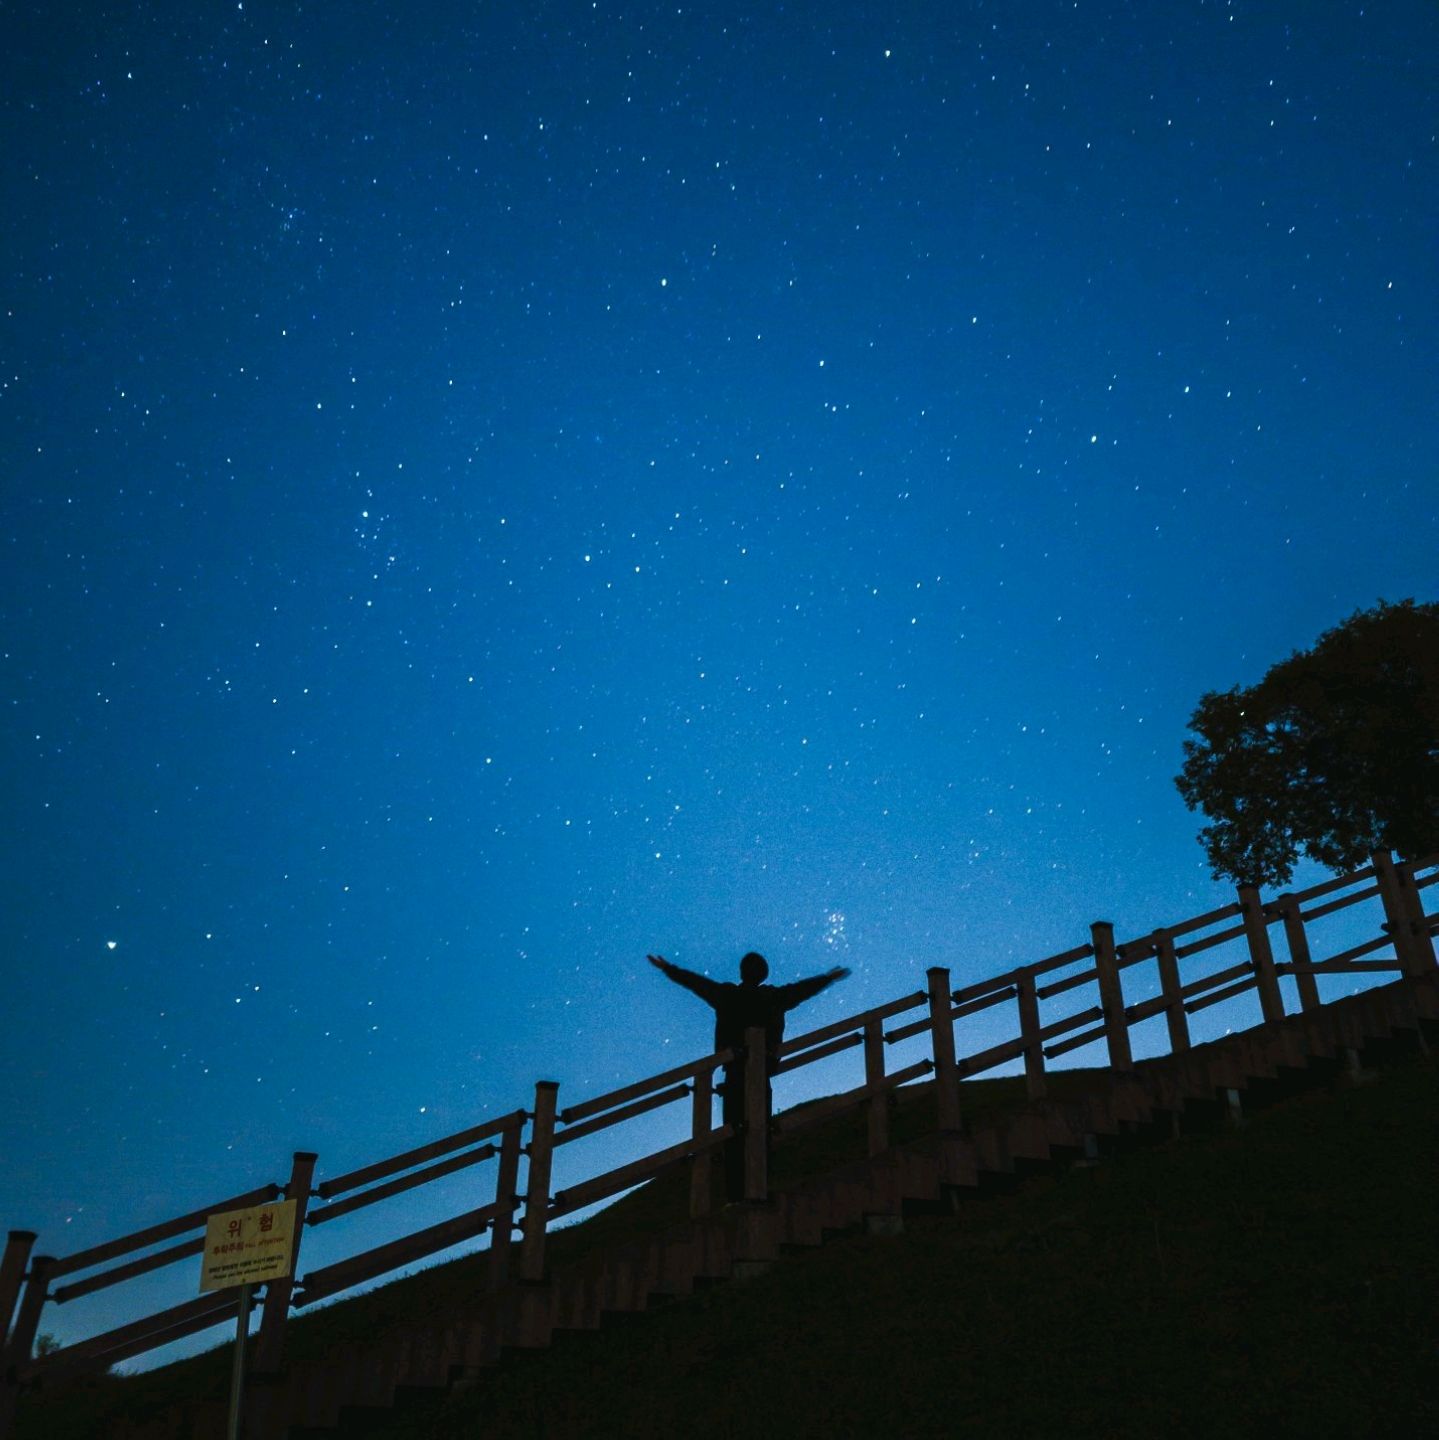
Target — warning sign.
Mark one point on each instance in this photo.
(244, 1247)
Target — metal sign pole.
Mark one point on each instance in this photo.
(245, 1248)
(237, 1373)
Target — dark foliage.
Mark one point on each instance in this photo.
(1334, 753)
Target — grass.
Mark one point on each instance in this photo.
(1277, 1279)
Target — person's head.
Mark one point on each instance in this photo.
(753, 969)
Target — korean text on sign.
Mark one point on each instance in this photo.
(244, 1247)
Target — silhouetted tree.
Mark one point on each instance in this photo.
(1335, 752)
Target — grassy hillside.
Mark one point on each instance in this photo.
(1276, 1280)
(1279, 1280)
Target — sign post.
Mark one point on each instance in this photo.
(244, 1248)
(237, 1369)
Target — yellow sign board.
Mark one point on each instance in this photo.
(244, 1247)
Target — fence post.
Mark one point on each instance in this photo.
(877, 1106)
(1034, 1081)
(1297, 943)
(503, 1227)
(12, 1272)
(1404, 915)
(1396, 921)
(1170, 987)
(1422, 941)
(1256, 933)
(756, 1116)
(1111, 995)
(277, 1292)
(941, 1039)
(537, 1182)
(16, 1357)
(9, 1401)
(27, 1319)
(701, 1123)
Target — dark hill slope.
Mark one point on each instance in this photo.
(1281, 1279)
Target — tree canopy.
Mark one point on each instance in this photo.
(1334, 753)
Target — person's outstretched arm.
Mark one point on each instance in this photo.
(701, 985)
(802, 990)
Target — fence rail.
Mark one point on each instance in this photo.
(1407, 930)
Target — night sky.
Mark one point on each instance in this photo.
(490, 491)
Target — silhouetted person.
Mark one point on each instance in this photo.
(737, 1008)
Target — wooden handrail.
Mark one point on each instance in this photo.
(966, 993)
(974, 1007)
(403, 1161)
(1337, 967)
(1354, 952)
(1077, 1042)
(1136, 952)
(1058, 962)
(612, 1098)
(1070, 982)
(987, 1059)
(812, 1114)
(853, 1022)
(820, 1052)
(193, 1315)
(330, 1279)
(625, 1112)
(351, 1203)
(154, 1234)
(105, 1278)
(1342, 903)
(1210, 917)
(576, 1197)
(65, 1362)
(1143, 1010)
(906, 1032)
(1219, 937)
(1219, 977)
(1070, 1022)
(958, 1012)
(1227, 994)
(1337, 883)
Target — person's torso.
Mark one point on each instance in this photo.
(740, 1007)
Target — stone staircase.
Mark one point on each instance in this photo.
(1206, 1086)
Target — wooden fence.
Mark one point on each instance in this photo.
(1095, 972)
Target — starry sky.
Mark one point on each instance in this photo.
(490, 491)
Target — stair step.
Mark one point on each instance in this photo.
(748, 1238)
